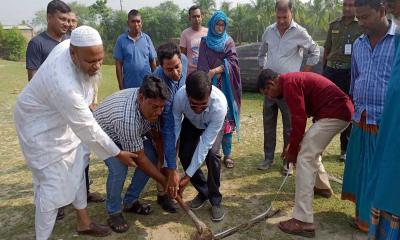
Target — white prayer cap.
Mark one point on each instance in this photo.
(85, 36)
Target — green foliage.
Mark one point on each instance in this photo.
(12, 44)
(162, 23)
(207, 6)
(39, 22)
(84, 14)
(166, 21)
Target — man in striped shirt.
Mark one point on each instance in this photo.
(371, 66)
(129, 117)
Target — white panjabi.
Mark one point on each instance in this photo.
(85, 36)
(55, 127)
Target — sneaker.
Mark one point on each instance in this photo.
(342, 157)
(196, 203)
(264, 165)
(167, 204)
(217, 213)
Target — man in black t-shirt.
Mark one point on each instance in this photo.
(40, 46)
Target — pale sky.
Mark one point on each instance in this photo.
(14, 11)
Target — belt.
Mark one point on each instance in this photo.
(338, 65)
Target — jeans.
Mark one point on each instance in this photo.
(227, 144)
(116, 177)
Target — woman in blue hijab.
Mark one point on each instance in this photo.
(218, 57)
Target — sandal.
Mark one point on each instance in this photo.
(228, 162)
(138, 208)
(95, 197)
(117, 223)
(295, 227)
(95, 230)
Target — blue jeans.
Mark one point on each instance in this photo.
(116, 177)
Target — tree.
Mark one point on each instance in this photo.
(162, 23)
(264, 15)
(207, 6)
(226, 8)
(85, 15)
(39, 22)
(243, 19)
(12, 44)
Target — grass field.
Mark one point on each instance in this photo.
(246, 191)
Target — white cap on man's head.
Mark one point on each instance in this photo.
(85, 36)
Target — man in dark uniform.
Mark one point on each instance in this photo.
(337, 56)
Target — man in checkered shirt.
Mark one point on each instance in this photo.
(130, 118)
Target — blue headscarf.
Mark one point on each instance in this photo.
(216, 41)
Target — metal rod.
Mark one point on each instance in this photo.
(267, 214)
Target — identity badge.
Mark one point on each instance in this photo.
(347, 49)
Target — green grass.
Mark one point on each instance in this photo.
(247, 191)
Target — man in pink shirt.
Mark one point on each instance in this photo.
(308, 95)
(190, 37)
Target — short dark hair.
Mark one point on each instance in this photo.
(57, 5)
(194, 7)
(154, 87)
(265, 77)
(133, 13)
(375, 4)
(167, 51)
(283, 5)
(198, 85)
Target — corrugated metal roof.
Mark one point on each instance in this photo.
(19, 27)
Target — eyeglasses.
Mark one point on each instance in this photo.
(198, 104)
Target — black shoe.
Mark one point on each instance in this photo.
(167, 204)
(217, 213)
(196, 203)
(60, 214)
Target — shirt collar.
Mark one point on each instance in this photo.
(293, 24)
(391, 31)
(127, 34)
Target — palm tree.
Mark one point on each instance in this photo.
(207, 6)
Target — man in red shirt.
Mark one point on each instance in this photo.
(308, 95)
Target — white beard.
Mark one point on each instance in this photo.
(87, 79)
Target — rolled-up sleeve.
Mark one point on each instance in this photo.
(262, 51)
(206, 141)
(312, 48)
(177, 111)
(168, 135)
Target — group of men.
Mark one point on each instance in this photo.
(359, 60)
(172, 111)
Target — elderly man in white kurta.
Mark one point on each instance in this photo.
(55, 128)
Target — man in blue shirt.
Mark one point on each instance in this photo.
(172, 70)
(134, 53)
(371, 67)
(203, 108)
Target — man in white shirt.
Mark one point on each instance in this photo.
(281, 50)
(203, 108)
(55, 128)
